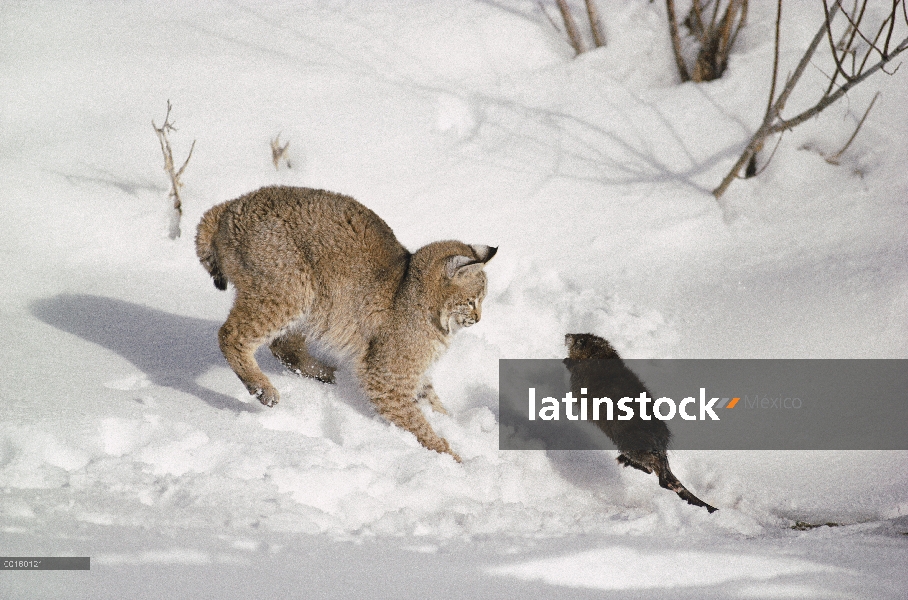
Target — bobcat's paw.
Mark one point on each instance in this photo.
(445, 448)
(316, 371)
(269, 397)
(325, 375)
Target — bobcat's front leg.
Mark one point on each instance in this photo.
(393, 398)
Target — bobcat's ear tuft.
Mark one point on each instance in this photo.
(484, 253)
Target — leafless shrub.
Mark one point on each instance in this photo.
(570, 25)
(175, 183)
(715, 31)
(861, 50)
(278, 152)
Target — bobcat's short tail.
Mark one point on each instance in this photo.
(204, 246)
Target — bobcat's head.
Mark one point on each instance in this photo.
(464, 288)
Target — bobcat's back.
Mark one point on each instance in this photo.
(324, 253)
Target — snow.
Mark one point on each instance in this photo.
(126, 437)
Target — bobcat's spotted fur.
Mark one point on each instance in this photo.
(311, 265)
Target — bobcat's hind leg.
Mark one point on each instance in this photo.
(427, 393)
(290, 349)
(250, 324)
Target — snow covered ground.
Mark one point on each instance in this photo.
(125, 437)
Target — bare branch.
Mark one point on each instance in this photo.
(768, 160)
(712, 21)
(775, 59)
(175, 183)
(741, 22)
(571, 27)
(834, 159)
(278, 151)
(774, 109)
(676, 40)
(891, 27)
(715, 37)
(846, 47)
(773, 122)
(868, 41)
(832, 47)
(755, 141)
(854, 25)
(805, 60)
(548, 16)
(696, 19)
(592, 12)
(784, 124)
(186, 162)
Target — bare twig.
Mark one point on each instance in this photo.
(712, 21)
(741, 22)
(571, 27)
(838, 60)
(752, 170)
(278, 152)
(548, 16)
(676, 40)
(784, 124)
(834, 159)
(592, 12)
(891, 28)
(175, 183)
(775, 58)
(716, 37)
(695, 19)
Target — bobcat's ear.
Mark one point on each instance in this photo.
(484, 253)
(462, 265)
(456, 263)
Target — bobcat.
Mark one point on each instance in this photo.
(315, 266)
(595, 365)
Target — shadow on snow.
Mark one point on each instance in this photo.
(172, 350)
